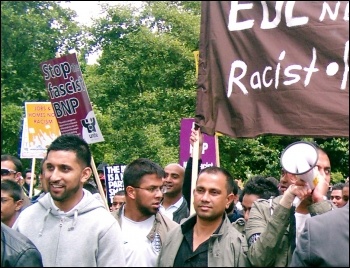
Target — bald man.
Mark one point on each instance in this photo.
(174, 205)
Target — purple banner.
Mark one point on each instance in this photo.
(209, 151)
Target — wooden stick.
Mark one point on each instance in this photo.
(195, 154)
(31, 180)
(98, 182)
(217, 155)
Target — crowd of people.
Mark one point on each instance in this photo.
(60, 220)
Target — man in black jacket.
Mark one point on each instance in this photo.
(17, 250)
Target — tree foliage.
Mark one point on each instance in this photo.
(142, 86)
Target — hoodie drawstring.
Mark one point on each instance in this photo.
(74, 220)
(45, 218)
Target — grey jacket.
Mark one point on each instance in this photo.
(227, 248)
(324, 241)
(88, 228)
(267, 231)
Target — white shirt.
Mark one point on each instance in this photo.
(299, 224)
(139, 251)
(171, 209)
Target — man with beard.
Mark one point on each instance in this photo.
(207, 238)
(68, 225)
(143, 226)
(174, 205)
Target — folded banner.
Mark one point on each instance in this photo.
(274, 67)
(69, 97)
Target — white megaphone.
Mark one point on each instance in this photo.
(300, 158)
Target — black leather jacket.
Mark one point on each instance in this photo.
(17, 250)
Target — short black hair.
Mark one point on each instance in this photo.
(260, 186)
(338, 186)
(231, 185)
(121, 192)
(138, 168)
(73, 143)
(24, 173)
(12, 188)
(14, 160)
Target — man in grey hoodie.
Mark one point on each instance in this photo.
(69, 226)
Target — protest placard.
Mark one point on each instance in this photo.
(114, 180)
(69, 97)
(208, 155)
(40, 128)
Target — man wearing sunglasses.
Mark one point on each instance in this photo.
(11, 169)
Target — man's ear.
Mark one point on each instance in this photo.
(86, 174)
(230, 199)
(19, 179)
(130, 192)
(19, 205)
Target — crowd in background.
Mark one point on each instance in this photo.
(149, 224)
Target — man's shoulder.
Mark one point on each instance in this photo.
(164, 220)
(239, 224)
(18, 241)
(267, 203)
(33, 209)
(331, 215)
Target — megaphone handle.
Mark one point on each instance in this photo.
(296, 201)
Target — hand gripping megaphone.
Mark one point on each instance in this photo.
(300, 158)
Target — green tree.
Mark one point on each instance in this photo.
(141, 88)
(31, 32)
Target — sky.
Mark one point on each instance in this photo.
(86, 10)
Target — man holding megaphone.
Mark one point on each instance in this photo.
(270, 231)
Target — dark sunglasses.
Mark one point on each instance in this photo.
(7, 171)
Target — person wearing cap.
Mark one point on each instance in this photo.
(101, 175)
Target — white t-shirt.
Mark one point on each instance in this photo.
(139, 251)
(171, 209)
(299, 224)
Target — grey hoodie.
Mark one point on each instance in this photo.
(88, 235)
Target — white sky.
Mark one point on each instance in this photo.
(91, 9)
